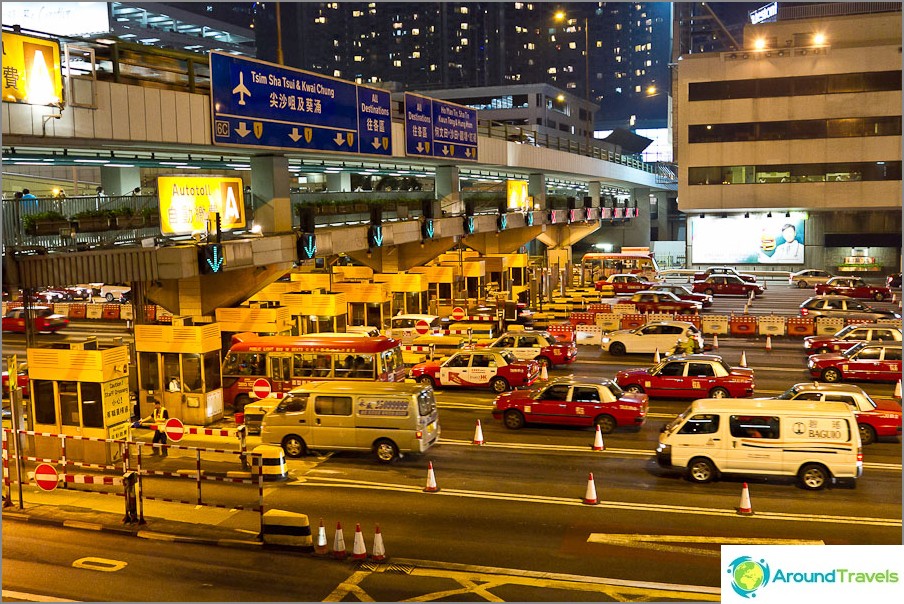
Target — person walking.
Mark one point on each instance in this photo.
(158, 416)
(29, 201)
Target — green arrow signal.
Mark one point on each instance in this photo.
(217, 262)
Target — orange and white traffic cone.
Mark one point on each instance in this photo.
(321, 548)
(359, 552)
(746, 308)
(478, 435)
(431, 479)
(544, 374)
(590, 495)
(598, 441)
(656, 358)
(379, 551)
(339, 550)
(743, 362)
(769, 343)
(898, 389)
(715, 341)
(745, 508)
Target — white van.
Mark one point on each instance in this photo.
(387, 418)
(816, 441)
(402, 327)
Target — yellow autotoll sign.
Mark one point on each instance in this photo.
(31, 70)
(187, 202)
(516, 194)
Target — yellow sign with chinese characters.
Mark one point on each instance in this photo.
(188, 202)
(31, 70)
(516, 194)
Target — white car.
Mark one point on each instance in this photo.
(658, 335)
(114, 292)
(809, 277)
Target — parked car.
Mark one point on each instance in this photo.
(865, 361)
(845, 307)
(21, 380)
(50, 296)
(500, 370)
(660, 301)
(573, 401)
(538, 345)
(809, 277)
(689, 376)
(115, 292)
(855, 287)
(875, 418)
(625, 283)
(723, 270)
(658, 335)
(893, 281)
(45, 320)
(684, 293)
(848, 336)
(76, 292)
(727, 285)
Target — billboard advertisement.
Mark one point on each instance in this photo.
(516, 195)
(759, 239)
(31, 70)
(187, 201)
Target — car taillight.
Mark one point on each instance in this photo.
(859, 454)
(804, 312)
(418, 434)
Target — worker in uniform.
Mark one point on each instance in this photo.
(158, 416)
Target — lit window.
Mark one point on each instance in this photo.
(572, 45)
(519, 5)
(357, 13)
(618, 27)
(320, 20)
(551, 70)
(433, 68)
(416, 55)
(464, 26)
(337, 73)
(464, 10)
(397, 63)
(530, 46)
(637, 89)
(359, 59)
(464, 41)
(397, 25)
(649, 63)
(415, 32)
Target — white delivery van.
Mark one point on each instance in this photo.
(816, 441)
(387, 418)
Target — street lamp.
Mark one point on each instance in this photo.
(561, 17)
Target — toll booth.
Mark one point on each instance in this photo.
(441, 282)
(264, 320)
(410, 292)
(179, 365)
(80, 391)
(368, 303)
(272, 292)
(316, 312)
(512, 272)
(497, 275)
(357, 274)
(309, 282)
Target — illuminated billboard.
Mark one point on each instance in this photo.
(31, 70)
(186, 203)
(760, 239)
(516, 195)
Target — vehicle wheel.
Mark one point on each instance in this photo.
(867, 434)
(701, 470)
(831, 375)
(708, 291)
(386, 450)
(513, 420)
(718, 393)
(294, 446)
(606, 423)
(499, 385)
(240, 402)
(545, 362)
(109, 297)
(634, 389)
(426, 380)
(879, 296)
(617, 349)
(802, 284)
(814, 476)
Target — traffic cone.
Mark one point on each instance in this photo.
(478, 435)
(715, 341)
(339, 543)
(598, 441)
(745, 508)
(894, 297)
(359, 552)
(743, 362)
(590, 495)
(656, 358)
(898, 389)
(321, 548)
(544, 374)
(379, 551)
(768, 342)
(431, 479)
(746, 308)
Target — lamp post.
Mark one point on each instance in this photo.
(560, 16)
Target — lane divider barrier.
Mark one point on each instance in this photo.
(283, 528)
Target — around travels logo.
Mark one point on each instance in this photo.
(748, 575)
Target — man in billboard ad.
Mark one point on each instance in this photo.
(784, 248)
(757, 239)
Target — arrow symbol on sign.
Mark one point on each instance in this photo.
(467, 153)
(430, 229)
(445, 150)
(378, 236)
(242, 130)
(311, 249)
(420, 148)
(376, 143)
(339, 140)
(294, 135)
(217, 262)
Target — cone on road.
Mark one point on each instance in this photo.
(478, 435)
(743, 362)
(379, 551)
(339, 550)
(359, 552)
(321, 548)
(590, 495)
(715, 341)
(656, 358)
(898, 389)
(544, 374)
(747, 308)
(768, 342)
(431, 479)
(598, 441)
(745, 508)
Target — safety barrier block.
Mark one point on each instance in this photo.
(742, 325)
(770, 325)
(78, 311)
(800, 326)
(599, 307)
(111, 311)
(827, 326)
(150, 312)
(609, 321)
(887, 322)
(94, 311)
(164, 316)
(279, 527)
(581, 318)
(127, 312)
(695, 319)
(60, 308)
(607, 291)
(714, 324)
(589, 334)
(660, 316)
(632, 321)
(624, 309)
(562, 331)
(850, 321)
(273, 460)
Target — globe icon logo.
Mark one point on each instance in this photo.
(748, 575)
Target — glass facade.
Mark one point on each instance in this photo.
(851, 127)
(836, 83)
(794, 173)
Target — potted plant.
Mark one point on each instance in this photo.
(92, 221)
(45, 223)
(151, 216)
(125, 218)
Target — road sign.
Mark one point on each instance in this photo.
(264, 105)
(174, 429)
(261, 388)
(46, 477)
(422, 327)
(441, 129)
(458, 313)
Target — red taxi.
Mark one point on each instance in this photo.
(573, 402)
(726, 285)
(660, 301)
(625, 283)
(854, 287)
(21, 380)
(45, 320)
(539, 345)
(723, 270)
(864, 361)
(689, 376)
(850, 335)
(500, 370)
(684, 293)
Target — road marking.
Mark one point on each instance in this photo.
(661, 542)
(102, 564)
(21, 595)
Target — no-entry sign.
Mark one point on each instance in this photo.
(46, 477)
(422, 327)
(174, 429)
(261, 388)
(458, 313)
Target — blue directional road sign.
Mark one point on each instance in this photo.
(262, 105)
(439, 129)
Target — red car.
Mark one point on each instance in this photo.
(689, 376)
(22, 380)
(848, 336)
(45, 320)
(625, 284)
(500, 370)
(573, 402)
(538, 345)
(723, 270)
(726, 285)
(854, 287)
(660, 301)
(864, 361)
(684, 293)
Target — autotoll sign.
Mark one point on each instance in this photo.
(188, 202)
(31, 70)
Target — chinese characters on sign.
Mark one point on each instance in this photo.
(186, 203)
(439, 129)
(31, 70)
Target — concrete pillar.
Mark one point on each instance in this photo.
(119, 181)
(559, 263)
(594, 191)
(270, 183)
(447, 189)
(339, 181)
(536, 188)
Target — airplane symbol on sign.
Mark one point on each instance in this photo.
(241, 89)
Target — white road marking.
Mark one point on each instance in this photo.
(102, 564)
(21, 595)
(664, 542)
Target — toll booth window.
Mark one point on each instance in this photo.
(747, 426)
(44, 404)
(413, 303)
(69, 411)
(701, 424)
(357, 313)
(333, 405)
(191, 373)
(171, 368)
(212, 370)
(149, 370)
(92, 407)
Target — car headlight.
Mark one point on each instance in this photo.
(606, 340)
